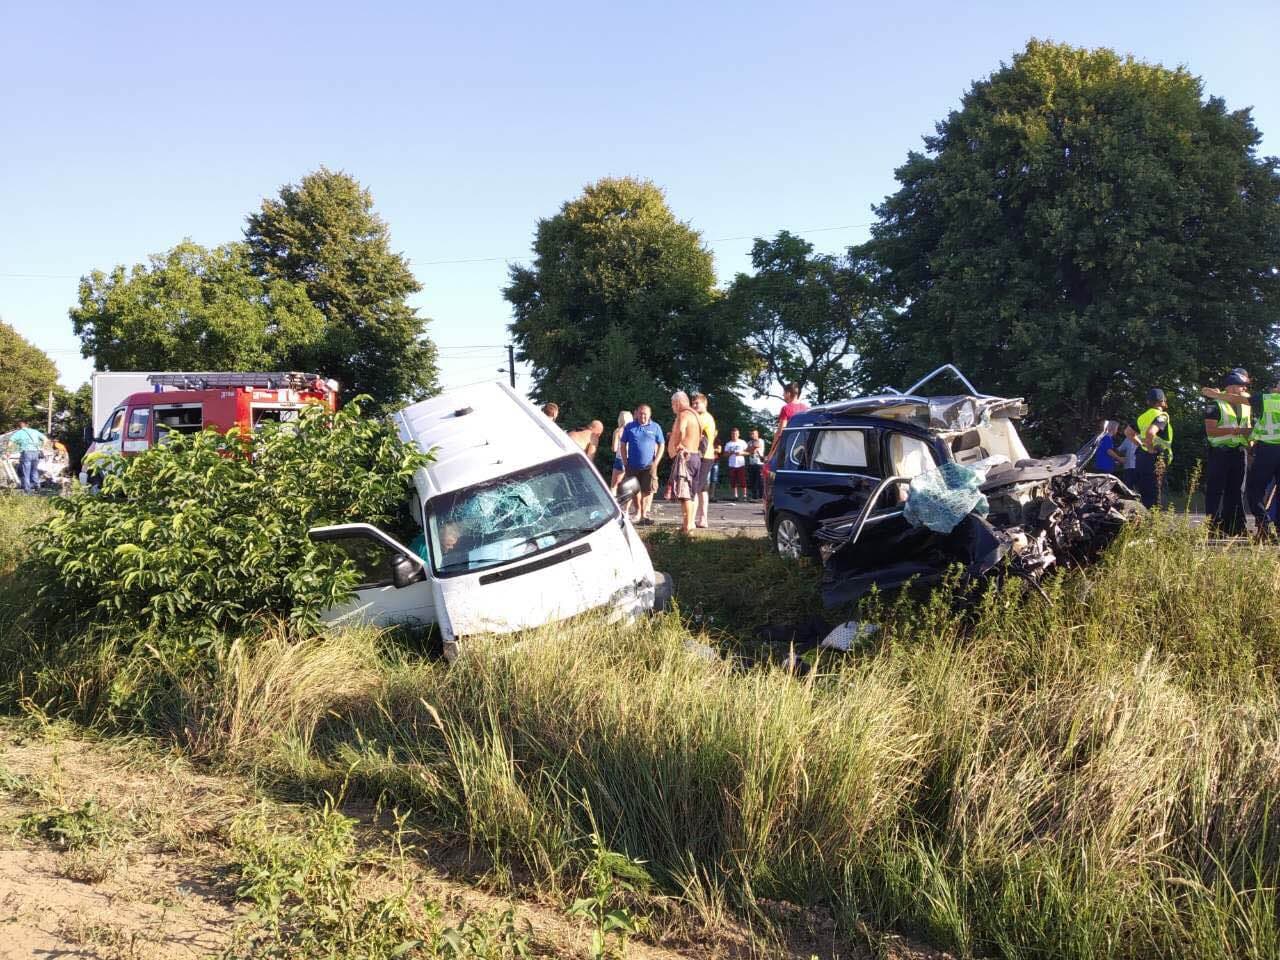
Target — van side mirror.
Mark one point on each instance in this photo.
(628, 489)
(404, 571)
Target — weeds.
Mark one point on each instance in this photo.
(309, 894)
(1087, 773)
(87, 826)
(609, 878)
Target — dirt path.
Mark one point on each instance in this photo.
(118, 850)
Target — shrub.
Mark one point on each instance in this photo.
(208, 533)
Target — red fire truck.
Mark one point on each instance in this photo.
(191, 402)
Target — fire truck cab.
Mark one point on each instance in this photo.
(191, 402)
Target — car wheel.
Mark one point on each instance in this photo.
(791, 539)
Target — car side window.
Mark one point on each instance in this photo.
(845, 451)
(797, 450)
(909, 456)
(371, 559)
(139, 424)
(112, 430)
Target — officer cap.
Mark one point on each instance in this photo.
(1155, 395)
(1235, 377)
(1242, 373)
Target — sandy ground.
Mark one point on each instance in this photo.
(161, 885)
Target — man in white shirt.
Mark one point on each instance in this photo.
(736, 451)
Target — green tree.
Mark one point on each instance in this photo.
(194, 309)
(26, 377)
(322, 233)
(615, 262)
(1083, 227)
(804, 314)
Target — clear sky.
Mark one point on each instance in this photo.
(125, 127)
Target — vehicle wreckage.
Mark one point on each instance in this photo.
(900, 487)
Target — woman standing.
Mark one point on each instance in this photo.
(619, 468)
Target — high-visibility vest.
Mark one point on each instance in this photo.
(1267, 427)
(1163, 440)
(1227, 418)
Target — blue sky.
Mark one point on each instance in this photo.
(125, 127)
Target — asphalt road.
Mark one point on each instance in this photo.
(724, 516)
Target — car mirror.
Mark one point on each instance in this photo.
(404, 571)
(628, 489)
(87, 436)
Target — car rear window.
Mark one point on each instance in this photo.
(841, 451)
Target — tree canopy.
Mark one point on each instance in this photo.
(26, 377)
(616, 276)
(804, 315)
(323, 234)
(195, 309)
(1083, 227)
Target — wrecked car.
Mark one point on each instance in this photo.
(898, 487)
(515, 528)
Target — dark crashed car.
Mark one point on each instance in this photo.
(843, 472)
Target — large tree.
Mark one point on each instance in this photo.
(805, 315)
(1083, 227)
(616, 263)
(322, 233)
(26, 377)
(195, 309)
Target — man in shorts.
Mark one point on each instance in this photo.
(641, 448)
(707, 450)
(685, 446)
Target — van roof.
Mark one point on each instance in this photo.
(479, 432)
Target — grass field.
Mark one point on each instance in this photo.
(1089, 773)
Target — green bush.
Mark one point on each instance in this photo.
(208, 533)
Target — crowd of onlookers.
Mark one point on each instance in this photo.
(698, 457)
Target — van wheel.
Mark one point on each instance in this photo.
(790, 538)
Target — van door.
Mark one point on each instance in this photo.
(137, 431)
(394, 586)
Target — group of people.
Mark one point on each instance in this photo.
(1242, 427)
(694, 449)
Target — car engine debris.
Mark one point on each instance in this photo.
(1033, 516)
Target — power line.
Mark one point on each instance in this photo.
(442, 263)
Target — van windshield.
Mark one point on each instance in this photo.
(516, 516)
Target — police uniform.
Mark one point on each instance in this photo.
(1225, 468)
(1265, 468)
(1150, 463)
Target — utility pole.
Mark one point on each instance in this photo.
(49, 425)
(511, 364)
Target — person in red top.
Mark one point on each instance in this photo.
(792, 404)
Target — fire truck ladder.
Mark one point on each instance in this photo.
(291, 380)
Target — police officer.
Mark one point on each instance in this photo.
(1155, 447)
(1265, 469)
(1227, 425)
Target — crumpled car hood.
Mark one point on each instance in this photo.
(1070, 521)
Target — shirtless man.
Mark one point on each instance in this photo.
(684, 445)
(588, 437)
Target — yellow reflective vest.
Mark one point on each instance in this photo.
(1163, 439)
(1227, 417)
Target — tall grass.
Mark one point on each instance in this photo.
(1091, 772)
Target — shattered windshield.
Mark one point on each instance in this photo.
(516, 516)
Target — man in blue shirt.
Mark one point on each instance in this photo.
(1107, 458)
(641, 446)
(29, 443)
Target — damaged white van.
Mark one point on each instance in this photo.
(517, 528)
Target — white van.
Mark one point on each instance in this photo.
(517, 526)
